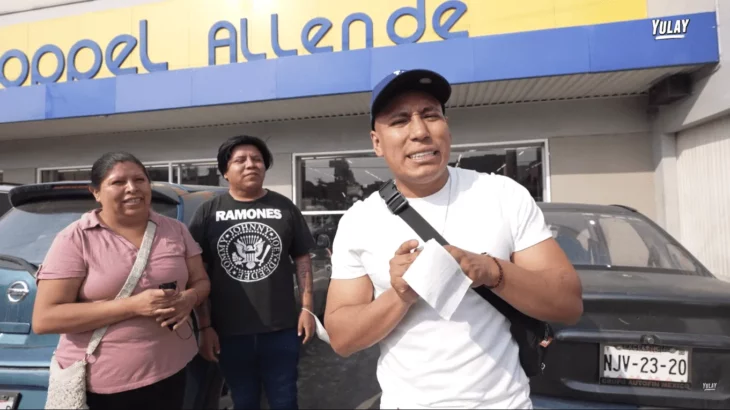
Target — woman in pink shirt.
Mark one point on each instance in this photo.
(140, 362)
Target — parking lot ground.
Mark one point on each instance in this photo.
(328, 381)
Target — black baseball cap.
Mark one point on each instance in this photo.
(400, 81)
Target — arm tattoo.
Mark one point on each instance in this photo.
(305, 280)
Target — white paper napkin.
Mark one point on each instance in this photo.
(437, 278)
(319, 328)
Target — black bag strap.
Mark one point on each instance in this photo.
(398, 205)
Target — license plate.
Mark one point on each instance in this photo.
(659, 366)
(8, 401)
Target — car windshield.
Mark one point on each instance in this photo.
(28, 231)
(613, 241)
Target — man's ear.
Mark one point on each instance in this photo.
(377, 147)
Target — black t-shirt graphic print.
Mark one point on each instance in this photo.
(248, 248)
(250, 251)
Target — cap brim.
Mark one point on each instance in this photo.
(414, 80)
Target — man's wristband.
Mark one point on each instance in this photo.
(501, 272)
(203, 328)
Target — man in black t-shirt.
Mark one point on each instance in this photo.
(254, 241)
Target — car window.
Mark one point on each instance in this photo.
(626, 248)
(4, 203)
(616, 241)
(28, 231)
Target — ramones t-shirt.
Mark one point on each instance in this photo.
(249, 250)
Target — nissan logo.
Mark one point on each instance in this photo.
(17, 291)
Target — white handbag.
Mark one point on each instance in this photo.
(67, 387)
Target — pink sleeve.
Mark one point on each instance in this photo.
(65, 258)
(191, 247)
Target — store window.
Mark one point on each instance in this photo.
(200, 174)
(189, 173)
(328, 184)
(159, 173)
(57, 175)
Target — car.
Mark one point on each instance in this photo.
(655, 331)
(321, 274)
(27, 230)
(5, 187)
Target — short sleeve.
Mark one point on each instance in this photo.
(346, 253)
(191, 246)
(197, 229)
(526, 218)
(197, 223)
(303, 242)
(65, 259)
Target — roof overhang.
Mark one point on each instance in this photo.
(484, 94)
(605, 60)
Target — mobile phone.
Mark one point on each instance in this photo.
(169, 285)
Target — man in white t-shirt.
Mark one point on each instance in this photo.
(470, 360)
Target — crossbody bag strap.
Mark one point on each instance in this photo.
(139, 266)
(398, 205)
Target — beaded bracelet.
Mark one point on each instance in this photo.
(501, 272)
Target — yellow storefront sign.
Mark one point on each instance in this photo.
(178, 34)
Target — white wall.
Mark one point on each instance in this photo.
(19, 175)
(605, 170)
(75, 7)
(16, 6)
(704, 193)
(661, 8)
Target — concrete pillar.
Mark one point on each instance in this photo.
(666, 194)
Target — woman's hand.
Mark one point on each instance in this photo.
(151, 301)
(210, 346)
(178, 309)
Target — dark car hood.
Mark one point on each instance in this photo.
(601, 283)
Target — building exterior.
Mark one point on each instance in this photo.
(611, 102)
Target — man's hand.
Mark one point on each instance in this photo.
(210, 347)
(306, 324)
(479, 268)
(399, 264)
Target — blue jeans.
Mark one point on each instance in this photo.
(268, 359)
